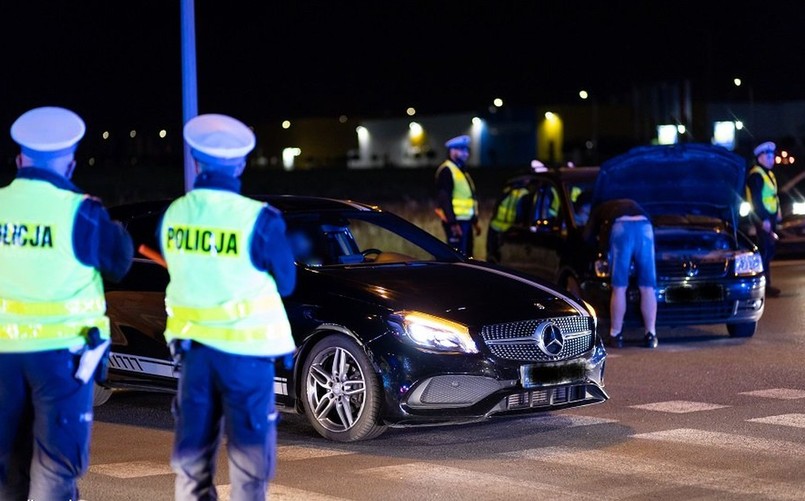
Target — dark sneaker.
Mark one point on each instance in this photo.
(772, 291)
(616, 341)
(650, 340)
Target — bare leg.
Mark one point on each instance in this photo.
(648, 307)
(617, 309)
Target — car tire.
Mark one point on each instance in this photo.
(100, 394)
(343, 407)
(746, 329)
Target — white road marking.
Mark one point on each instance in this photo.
(297, 453)
(678, 406)
(132, 469)
(779, 393)
(661, 472)
(795, 420)
(278, 492)
(484, 485)
(727, 441)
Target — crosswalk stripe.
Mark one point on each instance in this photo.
(622, 464)
(485, 486)
(779, 393)
(277, 492)
(678, 406)
(795, 420)
(132, 469)
(727, 441)
(298, 453)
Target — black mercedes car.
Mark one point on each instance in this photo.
(708, 271)
(393, 327)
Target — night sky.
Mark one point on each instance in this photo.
(120, 62)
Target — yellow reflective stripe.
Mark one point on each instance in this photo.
(228, 311)
(463, 207)
(188, 330)
(40, 309)
(23, 331)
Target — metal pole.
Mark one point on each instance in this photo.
(189, 90)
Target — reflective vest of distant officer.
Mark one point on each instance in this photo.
(457, 204)
(506, 212)
(769, 200)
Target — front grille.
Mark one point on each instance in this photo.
(546, 397)
(692, 312)
(516, 341)
(688, 268)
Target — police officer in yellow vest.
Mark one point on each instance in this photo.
(761, 188)
(56, 245)
(229, 264)
(508, 210)
(457, 203)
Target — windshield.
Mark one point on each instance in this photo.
(361, 238)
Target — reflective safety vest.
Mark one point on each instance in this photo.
(464, 204)
(216, 296)
(769, 192)
(48, 298)
(506, 212)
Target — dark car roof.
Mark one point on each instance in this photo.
(572, 175)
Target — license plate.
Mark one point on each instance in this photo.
(694, 294)
(540, 375)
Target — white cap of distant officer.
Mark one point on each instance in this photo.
(458, 150)
(48, 137)
(765, 154)
(219, 142)
(458, 142)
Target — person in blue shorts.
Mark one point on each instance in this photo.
(624, 227)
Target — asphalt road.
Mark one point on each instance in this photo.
(703, 416)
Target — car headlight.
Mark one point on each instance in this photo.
(798, 208)
(435, 333)
(748, 263)
(744, 209)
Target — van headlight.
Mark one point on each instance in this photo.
(433, 333)
(748, 264)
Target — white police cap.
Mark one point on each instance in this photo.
(767, 147)
(48, 132)
(218, 139)
(458, 142)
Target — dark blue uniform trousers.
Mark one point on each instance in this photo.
(224, 393)
(46, 417)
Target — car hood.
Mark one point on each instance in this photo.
(469, 293)
(682, 178)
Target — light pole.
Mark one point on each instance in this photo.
(189, 86)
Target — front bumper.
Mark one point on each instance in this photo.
(466, 391)
(743, 301)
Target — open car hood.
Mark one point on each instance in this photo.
(688, 178)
